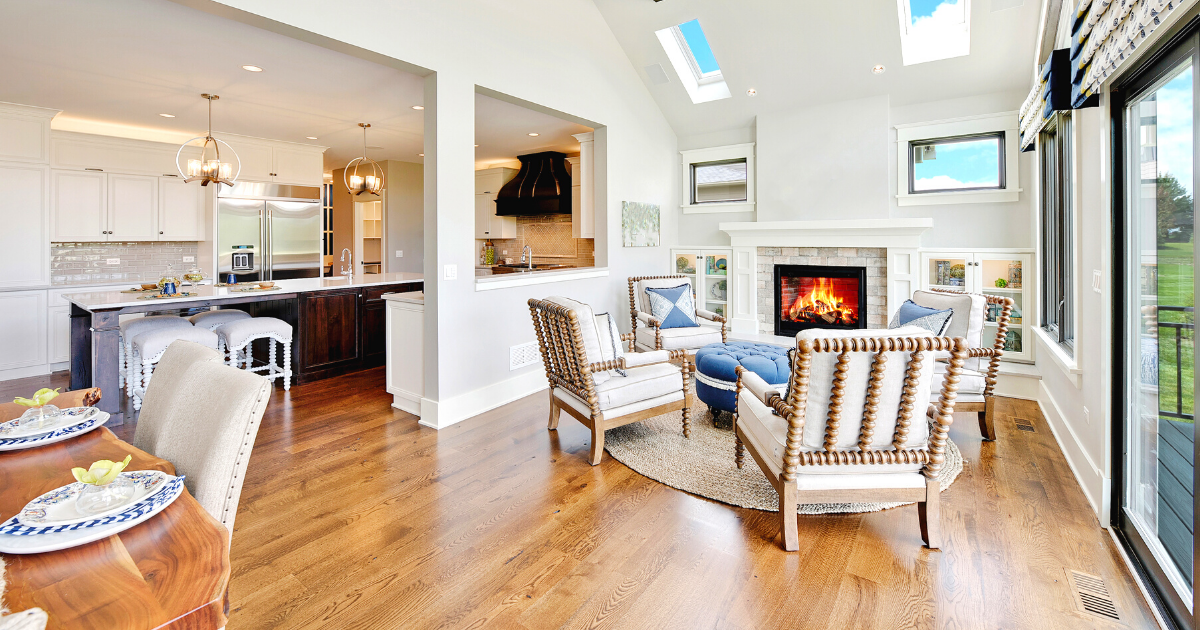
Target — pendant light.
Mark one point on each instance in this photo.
(358, 183)
(209, 168)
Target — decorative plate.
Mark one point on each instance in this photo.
(16, 538)
(57, 507)
(275, 288)
(16, 444)
(65, 418)
(160, 296)
(137, 290)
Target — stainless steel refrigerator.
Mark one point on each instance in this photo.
(269, 232)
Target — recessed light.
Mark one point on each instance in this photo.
(534, 134)
(418, 107)
(420, 155)
(751, 92)
(477, 145)
(167, 115)
(311, 137)
(252, 68)
(878, 69)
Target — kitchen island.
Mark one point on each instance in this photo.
(338, 324)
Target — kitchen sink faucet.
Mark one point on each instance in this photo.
(529, 250)
(348, 269)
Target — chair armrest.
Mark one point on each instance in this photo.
(710, 316)
(628, 337)
(638, 359)
(757, 386)
(973, 353)
(648, 320)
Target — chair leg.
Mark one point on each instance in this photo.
(131, 379)
(788, 520)
(739, 449)
(555, 412)
(120, 361)
(147, 372)
(987, 419)
(597, 441)
(929, 514)
(687, 400)
(287, 366)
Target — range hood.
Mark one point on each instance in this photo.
(542, 186)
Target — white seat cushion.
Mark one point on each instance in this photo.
(679, 338)
(641, 384)
(215, 319)
(237, 333)
(616, 412)
(133, 327)
(152, 343)
(969, 382)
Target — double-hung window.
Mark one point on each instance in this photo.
(1056, 231)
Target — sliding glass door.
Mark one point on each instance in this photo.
(1159, 285)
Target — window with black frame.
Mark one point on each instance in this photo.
(327, 218)
(1057, 235)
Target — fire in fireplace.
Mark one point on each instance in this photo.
(819, 296)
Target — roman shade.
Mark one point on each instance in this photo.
(1106, 33)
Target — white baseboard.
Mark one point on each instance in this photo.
(440, 414)
(406, 401)
(1091, 478)
(25, 372)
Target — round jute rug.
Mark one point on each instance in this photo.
(703, 464)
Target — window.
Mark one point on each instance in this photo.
(327, 218)
(716, 182)
(1057, 242)
(718, 179)
(931, 30)
(690, 54)
(964, 163)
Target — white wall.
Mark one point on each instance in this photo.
(405, 216)
(503, 46)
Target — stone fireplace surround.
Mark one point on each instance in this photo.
(888, 248)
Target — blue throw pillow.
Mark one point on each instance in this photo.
(674, 307)
(912, 314)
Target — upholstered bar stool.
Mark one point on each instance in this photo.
(237, 336)
(213, 320)
(128, 373)
(149, 347)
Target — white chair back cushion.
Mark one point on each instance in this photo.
(587, 328)
(165, 387)
(659, 283)
(970, 310)
(854, 395)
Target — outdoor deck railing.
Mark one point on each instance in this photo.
(1178, 327)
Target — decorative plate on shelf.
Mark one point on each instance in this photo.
(16, 444)
(58, 507)
(65, 418)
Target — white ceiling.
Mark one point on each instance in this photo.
(124, 62)
(804, 53)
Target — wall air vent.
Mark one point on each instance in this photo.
(523, 355)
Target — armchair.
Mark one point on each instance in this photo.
(581, 364)
(982, 367)
(852, 427)
(650, 336)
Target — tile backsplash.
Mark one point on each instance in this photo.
(550, 239)
(87, 263)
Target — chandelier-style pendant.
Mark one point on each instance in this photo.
(209, 168)
(358, 183)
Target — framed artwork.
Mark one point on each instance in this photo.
(639, 224)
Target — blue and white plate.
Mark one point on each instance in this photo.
(16, 538)
(58, 506)
(64, 418)
(15, 444)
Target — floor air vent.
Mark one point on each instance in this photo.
(1092, 596)
(1023, 424)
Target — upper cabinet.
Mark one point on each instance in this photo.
(25, 204)
(278, 162)
(25, 133)
(487, 187)
(180, 210)
(79, 206)
(583, 187)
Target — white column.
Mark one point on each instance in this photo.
(903, 267)
(743, 290)
(583, 218)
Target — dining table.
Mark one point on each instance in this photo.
(171, 571)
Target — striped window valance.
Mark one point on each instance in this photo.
(1105, 33)
(1031, 117)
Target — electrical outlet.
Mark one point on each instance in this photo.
(113, 261)
(1087, 416)
(399, 253)
(450, 272)
(505, 252)
(523, 355)
(1096, 280)
(189, 259)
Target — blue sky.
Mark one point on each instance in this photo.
(967, 164)
(1174, 111)
(694, 35)
(925, 8)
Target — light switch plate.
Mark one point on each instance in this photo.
(189, 259)
(113, 261)
(450, 272)
(1096, 280)
(399, 253)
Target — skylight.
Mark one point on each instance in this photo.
(931, 30)
(690, 54)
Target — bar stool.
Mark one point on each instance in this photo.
(127, 374)
(213, 320)
(149, 347)
(237, 336)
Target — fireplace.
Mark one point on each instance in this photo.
(819, 296)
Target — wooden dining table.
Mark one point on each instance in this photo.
(171, 571)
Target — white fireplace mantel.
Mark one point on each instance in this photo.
(901, 238)
(889, 233)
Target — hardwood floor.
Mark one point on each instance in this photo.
(354, 516)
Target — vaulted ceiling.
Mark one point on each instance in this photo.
(803, 53)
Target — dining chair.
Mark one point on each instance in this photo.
(203, 416)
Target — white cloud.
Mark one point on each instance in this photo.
(945, 182)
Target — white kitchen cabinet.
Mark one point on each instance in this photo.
(405, 333)
(59, 323)
(487, 186)
(257, 159)
(180, 210)
(583, 188)
(25, 221)
(132, 208)
(90, 152)
(293, 165)
(708, 269)
(23, 335)
(25, 133)
(278, 162)
(995, 272)
(79, 206)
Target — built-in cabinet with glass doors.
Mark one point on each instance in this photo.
(996, 272)
(708, 270)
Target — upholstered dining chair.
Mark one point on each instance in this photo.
(203, 416)
(978, 380)
(852, 426)
(594, 381)
(651, 336)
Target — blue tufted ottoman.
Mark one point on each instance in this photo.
(716, 380)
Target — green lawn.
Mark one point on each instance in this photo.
(1176, 287)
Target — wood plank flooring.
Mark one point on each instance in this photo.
(354, 516)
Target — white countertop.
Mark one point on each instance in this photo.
(92, 300)
(412, 297)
